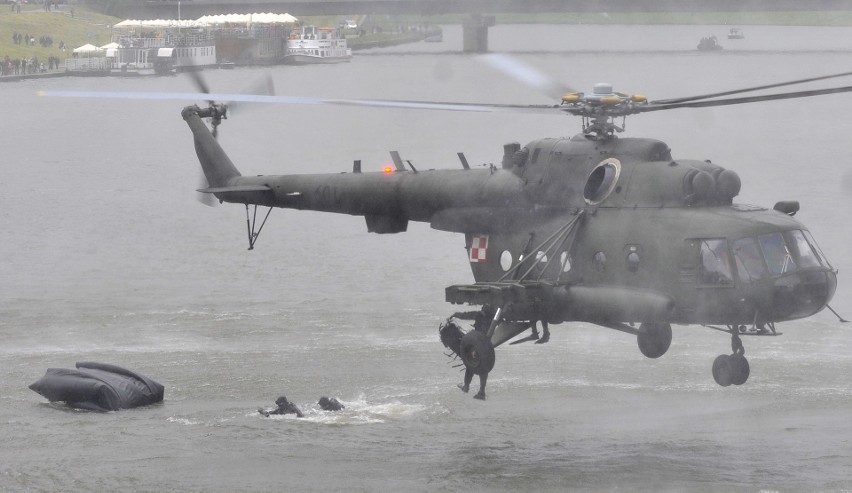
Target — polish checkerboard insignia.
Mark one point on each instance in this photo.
(479, 248)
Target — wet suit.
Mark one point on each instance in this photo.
(330, 404)
(451, 336)
(465, 387)
(534, 335)
(284, 407)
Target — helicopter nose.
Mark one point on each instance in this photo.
(802, 294)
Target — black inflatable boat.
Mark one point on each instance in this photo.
(98, 387)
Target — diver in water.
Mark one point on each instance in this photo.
(284, 407)
(330, 404)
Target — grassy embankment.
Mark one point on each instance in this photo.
(85, 27)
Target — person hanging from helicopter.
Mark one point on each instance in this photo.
(468, 377)
(545, 332)
(284, 407)
(545, 337)
(451, 336)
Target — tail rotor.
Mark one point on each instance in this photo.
(217, 112)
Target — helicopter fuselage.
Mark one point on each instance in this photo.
(601, 230)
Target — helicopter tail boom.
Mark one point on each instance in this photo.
(217, 166)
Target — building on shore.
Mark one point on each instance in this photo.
(250, 39)
(142, 47)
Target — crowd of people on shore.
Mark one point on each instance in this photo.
(49, 6)
(27, 65)
(45, 41)
(32, 64)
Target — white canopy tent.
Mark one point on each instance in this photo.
(88, 49)
(208, 20)
(262, 18)
(158, 23)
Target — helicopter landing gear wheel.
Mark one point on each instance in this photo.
(730, 369)
(722, 371)
(654, 339)
(740, 367)
(477, 352)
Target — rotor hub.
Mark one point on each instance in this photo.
(600, 108)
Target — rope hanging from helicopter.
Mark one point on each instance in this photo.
(545, 250)
(251, 222)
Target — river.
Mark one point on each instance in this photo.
(108, 257)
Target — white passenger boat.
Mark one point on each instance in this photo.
(161, 46)
(310, 44)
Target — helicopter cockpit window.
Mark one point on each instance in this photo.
(602, 180)
(715, 265)
(779, 260)
(750, 264)
(816, 249)
(802, 252)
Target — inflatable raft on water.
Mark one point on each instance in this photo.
(98, 387)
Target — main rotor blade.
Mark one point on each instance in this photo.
(263, 87)
(526, 75)
(199, 81)
(257, 98)
(750, 99)
(749, 89)
(446, 106)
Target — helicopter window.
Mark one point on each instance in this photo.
(816, 249)
(715, 265)
(777, 255)
(602, 180)
(750, 264)
(599, 261)
(801, 250)
(506, 260)
(565, 260)
(633, 261)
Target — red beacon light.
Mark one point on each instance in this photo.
(388, 170)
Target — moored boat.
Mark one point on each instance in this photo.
(310, 44)
(709, 44)
(161, 46)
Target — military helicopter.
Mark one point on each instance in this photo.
(594, 228)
